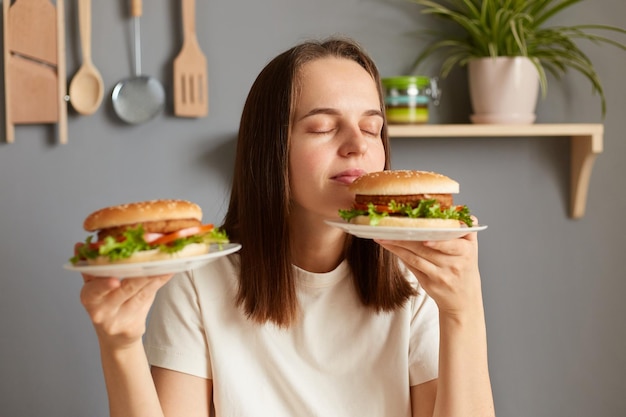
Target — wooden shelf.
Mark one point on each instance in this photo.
(586, 145)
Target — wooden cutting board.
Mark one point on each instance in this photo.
(34, 65)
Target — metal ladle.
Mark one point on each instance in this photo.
(139, 98)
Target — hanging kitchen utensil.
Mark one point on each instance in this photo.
(87, 87)
(139, 98)
(34, 65)
(191, 97)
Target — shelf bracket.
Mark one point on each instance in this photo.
(584, 150)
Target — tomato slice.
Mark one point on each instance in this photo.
(91, 246)
(190, 231)
(77, 246)
(378, 207)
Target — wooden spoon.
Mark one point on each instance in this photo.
(86, 88)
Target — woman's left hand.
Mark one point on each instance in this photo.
(447, 270)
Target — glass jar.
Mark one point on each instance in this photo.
(407, 98)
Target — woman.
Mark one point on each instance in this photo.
(305, 320)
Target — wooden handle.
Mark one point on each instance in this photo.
(189, 18)
(8, 115)
(135, 8)
(61, 73)
(84, 21)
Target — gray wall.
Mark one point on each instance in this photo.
(553, 286)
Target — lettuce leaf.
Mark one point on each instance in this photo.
(428, 209)
(214, 236)
(133, 241)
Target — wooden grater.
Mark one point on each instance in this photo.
(34, 65)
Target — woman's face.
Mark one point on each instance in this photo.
(335, 135)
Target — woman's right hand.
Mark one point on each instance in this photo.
(119, 308)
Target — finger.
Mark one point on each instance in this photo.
(95, 289)
(405, 248)
(120, 306)
(430, 249)
(89, 278)
(115, 292)
(413, 254)
(421, 267)
(129, 287)
(472, 235)
(144, 284)
(141, 296)
(454, 247)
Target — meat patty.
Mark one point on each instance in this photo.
(160, 226)
(445, 200)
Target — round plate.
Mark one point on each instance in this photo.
(146, 269)
(403, 233)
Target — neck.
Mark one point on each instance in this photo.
(316, 246)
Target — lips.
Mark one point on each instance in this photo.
(348, 176)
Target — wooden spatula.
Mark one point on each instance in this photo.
(191, 93)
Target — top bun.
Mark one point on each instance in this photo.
(404, 182)
(143, 211)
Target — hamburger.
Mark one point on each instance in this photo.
(406, 199)
(146, 231)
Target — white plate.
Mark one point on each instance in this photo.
(145, 269)
(403, 233)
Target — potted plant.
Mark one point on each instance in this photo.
(511, 39)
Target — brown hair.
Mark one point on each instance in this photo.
(258, 212)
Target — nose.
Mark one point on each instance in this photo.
(354, 142)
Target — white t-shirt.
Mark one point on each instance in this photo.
(340, 359)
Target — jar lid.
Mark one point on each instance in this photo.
(405, 81)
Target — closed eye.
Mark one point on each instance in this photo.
(371, 124)
(370, 132)
(322, 131)
(371, 129)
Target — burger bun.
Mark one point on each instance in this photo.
(193, 249)
(142, 212)
(397, 221)
(404, 182)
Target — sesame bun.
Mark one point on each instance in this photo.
(139, 212)
(404, 182)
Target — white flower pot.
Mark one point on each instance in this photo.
(503, 90)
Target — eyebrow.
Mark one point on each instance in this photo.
(335, 112)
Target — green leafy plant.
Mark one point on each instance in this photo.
(501, 28)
